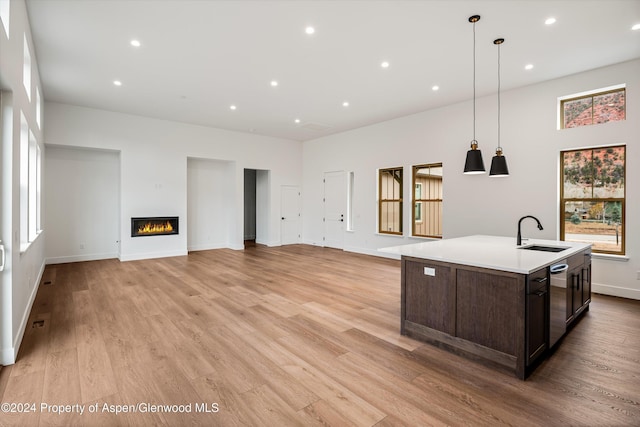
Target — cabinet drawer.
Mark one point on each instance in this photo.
(576, 260)
(537, 280)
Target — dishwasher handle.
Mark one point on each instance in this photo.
(558, 268)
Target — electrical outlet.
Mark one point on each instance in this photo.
(81, 245)
(638, 275)
(428, 271)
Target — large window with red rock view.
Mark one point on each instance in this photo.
(592, 197)
(599, 107)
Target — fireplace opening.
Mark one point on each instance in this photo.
(154, 226)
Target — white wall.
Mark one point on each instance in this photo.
(82, 199)
(479, 204)
(23, 269)
(154, 170)
(266, 233)
(210, 210)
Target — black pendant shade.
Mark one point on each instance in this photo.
(474, 163)
(499, 162)
(499, 165)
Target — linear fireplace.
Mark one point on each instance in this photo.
(154, 226)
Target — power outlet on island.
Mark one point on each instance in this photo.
(428, 271)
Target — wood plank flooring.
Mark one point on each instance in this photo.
(290, 336)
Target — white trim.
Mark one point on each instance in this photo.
(207, 247)
(609, 257)
(271, 244)
(592, 92)
(9, 355)
(152, 255)
(80, 258)
(615, 291)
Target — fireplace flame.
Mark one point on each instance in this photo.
(152, 228)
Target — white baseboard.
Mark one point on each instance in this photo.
(79, 258)
(615, 291)
(271, 244)
(9, 355)
(152, 255)
(206, 247)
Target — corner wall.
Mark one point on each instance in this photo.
(478, 204)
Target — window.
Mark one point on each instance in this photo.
(26, 68)
(24, 180)
(5, 9)
(594, 108)
(427, 200)
(38, 108)
(390, 201)
(350, 185)
(30, 185)
(33, 179)
(592, 197)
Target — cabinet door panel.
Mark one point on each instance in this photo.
(427, 297)
(577, 290)
(586, 284)
(490, 310)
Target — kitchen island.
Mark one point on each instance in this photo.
(489, 299)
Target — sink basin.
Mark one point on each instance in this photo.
(545, 248)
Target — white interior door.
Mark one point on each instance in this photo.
(290, 215)
(6, 136)
(335, 208)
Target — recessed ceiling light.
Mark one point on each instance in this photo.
(435, 87)
(232, 107)
(636, 27)
(309, 30)
(117, 82)
(274, 83)
(135, 43)
(528, 67)
(345, 104)
(550, 21)
(384, 64)
(297, 120)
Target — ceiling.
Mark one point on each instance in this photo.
(198, 58)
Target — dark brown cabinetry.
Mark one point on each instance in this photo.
(537, 318)
(494, 315)
(428, 300)
(578, 284)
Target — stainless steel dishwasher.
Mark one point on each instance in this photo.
(558, 301)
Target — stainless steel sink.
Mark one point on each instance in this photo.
(545, 248)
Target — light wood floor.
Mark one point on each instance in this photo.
(297, 335)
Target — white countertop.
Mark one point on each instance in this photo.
(494, 252)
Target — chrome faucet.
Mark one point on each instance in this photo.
(519, 240)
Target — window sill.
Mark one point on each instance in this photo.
(610, 257)
(426, 238)
(24, 247)
(390, 235)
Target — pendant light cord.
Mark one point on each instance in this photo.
(499, 147)
(474, 83)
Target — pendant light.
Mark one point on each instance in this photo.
(499, 162)
(474, 163)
